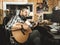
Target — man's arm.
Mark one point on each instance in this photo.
(9, 24)
(17, 26)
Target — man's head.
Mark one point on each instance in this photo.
(41, 5)
(24, 12)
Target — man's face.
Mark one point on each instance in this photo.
(25, 12)
(40, 5)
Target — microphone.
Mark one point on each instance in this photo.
(29, 17)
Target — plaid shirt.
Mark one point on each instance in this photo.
(14, 20)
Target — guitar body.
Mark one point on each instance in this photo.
(18, 35)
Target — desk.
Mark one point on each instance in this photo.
(51, 38)
(55, 36)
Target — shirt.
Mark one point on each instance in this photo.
(16, 19)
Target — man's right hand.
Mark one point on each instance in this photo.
(16, 26)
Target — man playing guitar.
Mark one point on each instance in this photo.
(21, 32)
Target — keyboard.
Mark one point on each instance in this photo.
(54, 27)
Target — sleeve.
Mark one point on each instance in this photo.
(5, 21)
(10, 23)
(28, 23)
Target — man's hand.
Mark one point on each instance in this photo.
(16, 26)
(35, 24)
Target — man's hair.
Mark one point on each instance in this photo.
(22, 9)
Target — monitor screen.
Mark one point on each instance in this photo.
(56, 16)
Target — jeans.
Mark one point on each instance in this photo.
(34, 38)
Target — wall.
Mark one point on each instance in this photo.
(1, 12)
(34, 9)
(1, 7)
(35, 2)
(51, 4)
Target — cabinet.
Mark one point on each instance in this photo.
(52, 3)
(1, 16)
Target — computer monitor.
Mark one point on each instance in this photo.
(56, 16)
(47, 16)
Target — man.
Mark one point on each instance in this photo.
(5, 21)
(39, 8)
(34, 37)
(7, 17)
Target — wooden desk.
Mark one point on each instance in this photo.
(45, 25)
(55, 36)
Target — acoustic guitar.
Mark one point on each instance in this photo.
(20, 32)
